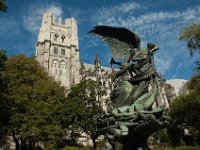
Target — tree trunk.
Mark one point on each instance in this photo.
(31, 145)
(94, 143)
(17, 145)
(24, 146)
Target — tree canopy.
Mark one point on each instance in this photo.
(191, 35)
(3, 108)
(35, 109)
(3, 5)
(3, 58)
(33, 102)
(86, 99)
(186, 109)
(194, 84)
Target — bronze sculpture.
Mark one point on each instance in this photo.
(131, 118)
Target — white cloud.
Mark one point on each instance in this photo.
(161, 27)
(8, 27)
(112, 15)
(56, 10)
(126, 7)
(163, 63)
(33, 14)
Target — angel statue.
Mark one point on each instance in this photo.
(131, 118)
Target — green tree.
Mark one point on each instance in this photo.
(34, 103)
(191, 35)
(186, 109)
(86, 98)
(3, 6)
(3, 58)
(194, 84)
(3, 108)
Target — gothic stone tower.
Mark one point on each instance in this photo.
(57, 49)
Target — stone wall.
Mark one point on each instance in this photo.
(57, 49)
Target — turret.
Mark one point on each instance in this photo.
(57, 49)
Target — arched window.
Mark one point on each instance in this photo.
(55, 70)
(55, 50)
(63, 52)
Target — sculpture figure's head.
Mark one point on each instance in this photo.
(152, 47)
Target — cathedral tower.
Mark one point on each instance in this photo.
(57, 49)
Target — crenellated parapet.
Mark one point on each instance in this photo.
(57, 49)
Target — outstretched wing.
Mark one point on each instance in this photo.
(121, 40)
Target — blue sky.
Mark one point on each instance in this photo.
(157, 21)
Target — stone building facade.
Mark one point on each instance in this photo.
(57, 49)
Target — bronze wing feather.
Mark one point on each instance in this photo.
(121, 40)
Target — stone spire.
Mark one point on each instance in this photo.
(97, 62)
